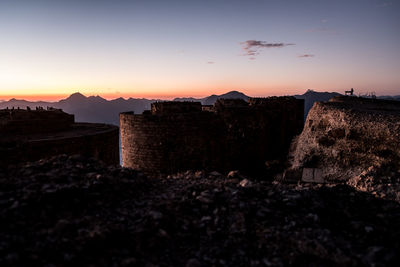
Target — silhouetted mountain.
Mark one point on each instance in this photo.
(191, 99)
(98, 109)
(23, 103)
(210, 100)
(233, 94)
(76, 97)
(390, 97)
(88, 109)
(310, 97)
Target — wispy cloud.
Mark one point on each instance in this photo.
(306, 56)
(252, 48)
(210, 62)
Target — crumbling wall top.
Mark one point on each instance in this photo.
(171, 107)
(21, 121)
(230, 104)
(262, 101)
(369, 105)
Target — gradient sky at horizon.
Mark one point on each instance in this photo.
(195, 48)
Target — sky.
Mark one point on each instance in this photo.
(164, 49)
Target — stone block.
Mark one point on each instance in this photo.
(312, 175)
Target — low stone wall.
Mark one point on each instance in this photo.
(88, 139)
(34, 121)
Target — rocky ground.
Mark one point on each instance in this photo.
(75, 211)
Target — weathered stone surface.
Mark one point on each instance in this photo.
(347, 135)
(312, 175)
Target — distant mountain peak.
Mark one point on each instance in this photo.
(233, 92)
(97, 97)
(76, 96)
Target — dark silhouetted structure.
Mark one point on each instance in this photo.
(29, 135)
(349, 92)
(232, 134)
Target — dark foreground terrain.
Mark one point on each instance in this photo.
(75, 211)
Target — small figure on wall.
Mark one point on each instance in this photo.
(349, 92)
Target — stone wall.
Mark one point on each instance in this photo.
(168, 107)
(167, 143)
(90, 140)
(34, 121)
(30, 135)
(261, 131)
(232, 135)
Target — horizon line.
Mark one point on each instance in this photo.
(126, 96)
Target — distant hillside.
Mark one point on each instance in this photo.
(389, 97)
(310, 97)
(88, 109)
(98, 109)
(210, 100)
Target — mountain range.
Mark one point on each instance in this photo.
(310, 97)
(210, 100)
(98, 109)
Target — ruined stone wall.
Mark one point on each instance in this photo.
(34, 121)
(87, 139)
(171, 107)
(229, 136)
(261, 131)
(348, 136)
(29, 135)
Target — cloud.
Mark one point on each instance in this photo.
(210, 62)
(324, 20)
(306, 55)
(252, 47)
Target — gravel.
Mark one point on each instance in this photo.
(75, 211)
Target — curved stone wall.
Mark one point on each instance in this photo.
(170, 143)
